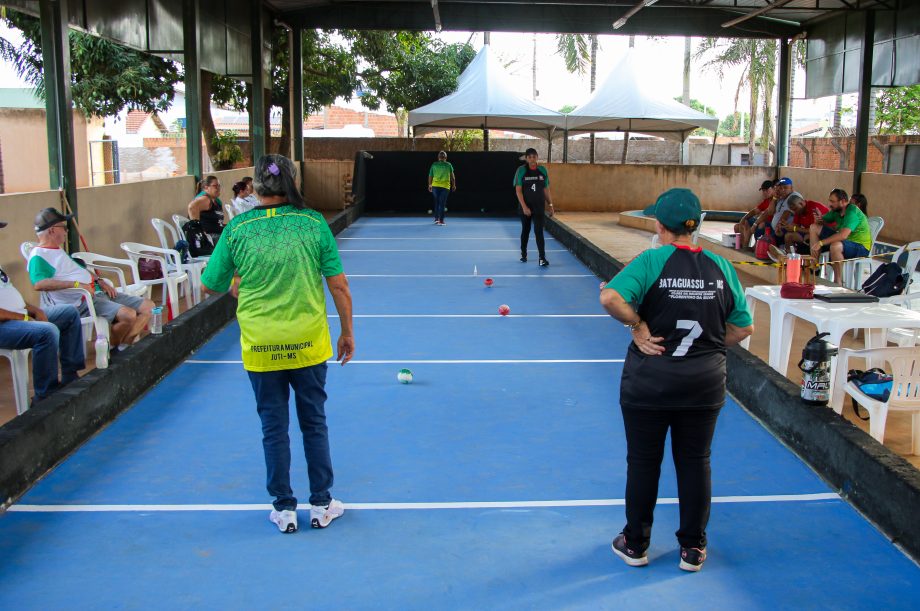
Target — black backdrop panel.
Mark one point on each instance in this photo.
(397, 181)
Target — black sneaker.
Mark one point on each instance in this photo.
(544, 263)
(523, 258)
(692, 558)
(632, 557)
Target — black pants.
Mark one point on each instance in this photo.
(691, 440)
(536, 218)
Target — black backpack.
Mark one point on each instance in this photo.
(200, 243)
(888, 280)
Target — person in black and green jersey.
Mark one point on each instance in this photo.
(531, 185)
(683, 307)
(280, 251)
(441, 181)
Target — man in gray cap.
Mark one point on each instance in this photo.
(57, 276)
(54, 335)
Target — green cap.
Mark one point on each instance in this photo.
(676, 208)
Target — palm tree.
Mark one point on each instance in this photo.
(757, 58)
(579, 52)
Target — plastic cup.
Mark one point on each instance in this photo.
(793, 269)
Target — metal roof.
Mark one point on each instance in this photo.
(755, 18)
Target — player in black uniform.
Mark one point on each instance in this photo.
(531, 184)
(683, 306)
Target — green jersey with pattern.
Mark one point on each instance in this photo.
(282, 253)
(440, 174)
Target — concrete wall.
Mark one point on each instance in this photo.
(24, 140)
(894, 198)
(816, 184)
(617, 188)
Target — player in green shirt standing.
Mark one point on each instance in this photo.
(281, 251)
(844, 232)
(441, 181)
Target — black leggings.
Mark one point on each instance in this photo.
(537, 218)
(691, 440)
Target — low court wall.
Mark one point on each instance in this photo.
(880, 484)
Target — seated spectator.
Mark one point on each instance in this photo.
(844, 232)
(57, 275)
(861, 202)
(750, 224)
(779, 210)
(51, 333)
(797, 228)
(244, 200)
(207, 207)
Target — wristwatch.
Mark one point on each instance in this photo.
(633, 326)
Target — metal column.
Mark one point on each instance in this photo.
(865, 100)
(257, 102)
(296, 89)
(190, 42)
(59, 105)
(785, 97)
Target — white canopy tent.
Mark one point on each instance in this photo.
(484, 100)
(623, 104)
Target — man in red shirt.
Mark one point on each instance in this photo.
(805, 211)
(751, 224)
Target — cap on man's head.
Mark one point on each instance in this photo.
(678, 208)
(785, 180)
(530, 151)
(50, 217)
(767, 184)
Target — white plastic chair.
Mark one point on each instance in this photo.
(100, 263)
(905, 389)
(174, 273)
(179, 221)
(19, 364)
(90, 323)
(195, 265)
(853, 270)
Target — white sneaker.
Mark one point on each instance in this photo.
(321, 517)
(286, 520)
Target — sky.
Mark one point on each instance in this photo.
(661, 59)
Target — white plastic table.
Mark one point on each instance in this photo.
(838, 319)
(769, 294)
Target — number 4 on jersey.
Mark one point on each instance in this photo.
(695, 331)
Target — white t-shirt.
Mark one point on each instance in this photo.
(54, 263)
(245, 204)
(10, 298)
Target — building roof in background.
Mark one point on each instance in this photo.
(135, 119)
(20, 97)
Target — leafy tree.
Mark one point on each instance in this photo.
(699, 107)
(758, 59)
(731, 125)
(897, 110)
(399, 70)
(105, 77)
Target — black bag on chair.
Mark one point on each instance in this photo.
(200, 243)
(888, 280)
